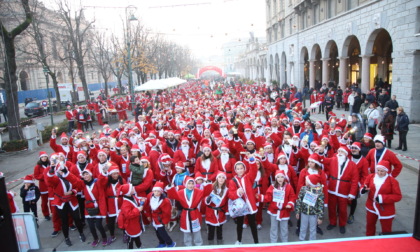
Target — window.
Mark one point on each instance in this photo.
(291, 26)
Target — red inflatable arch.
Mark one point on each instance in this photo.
(209, 68)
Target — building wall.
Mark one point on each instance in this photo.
(399, 18)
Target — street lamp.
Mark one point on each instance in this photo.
(129, 14)
(46, 71)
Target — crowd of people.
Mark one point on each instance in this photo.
(197, 157)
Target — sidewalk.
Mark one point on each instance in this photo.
(413, 141)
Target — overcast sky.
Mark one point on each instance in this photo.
(203, 25)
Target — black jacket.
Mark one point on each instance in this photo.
(402, 122)
(356, 105)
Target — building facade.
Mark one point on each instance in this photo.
(345, 41)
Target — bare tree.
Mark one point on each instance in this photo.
(77, 31)
(10, 78)
(102, 57)
(116, 61)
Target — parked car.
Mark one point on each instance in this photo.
(34, 109)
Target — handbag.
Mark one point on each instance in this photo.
(371, 123)
(93, 211)
(238, 207)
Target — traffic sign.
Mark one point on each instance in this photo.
(44, 103)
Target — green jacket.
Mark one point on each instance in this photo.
(137, 172)
(317, 209)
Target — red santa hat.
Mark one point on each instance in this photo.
(250, 141)
(368, 135)
(145, 159)
(319, 123)
(297, 119)
(113, 169)
(379, 138)
(313, 179)
(199, 123)
(158, 186)
(221, 174)
(315, 143)
(153, 142)
(125, 189)
(204, 141)
(332, 114)
(29, 179)
(198, 176)
(77, 132)
(383, 164)
(345, 149)
(177, 132)
(102, 136)
(180, 165)
(135, 147)
(225, 147)
(281, 154)
(247, 127)
(87, 170)
(239, 163)
(357, 145)
(296, 135)
(188, 179)
(105, 126)
(64, 136)
(316, 159)
(267, 145)
(338, 128)
(205, 146)
(280, 173)
(118, 145)
(42, 154)
(81, 153)
(185, 140)
(101, 152)
(325, 137)
(165, 158)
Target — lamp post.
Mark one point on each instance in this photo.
(46, 71)
(129, 13)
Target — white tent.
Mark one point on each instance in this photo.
(160, 84)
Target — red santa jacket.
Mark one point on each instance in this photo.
(342, 184)
(246, 183)
(209, 171)
(129, 217)
(190, 214)
(215, 209)
(159, 209)
(39, 175)
(226, 166)
(144, 187)
(388, 156)
(70, 115)
(179, 155)
(59, 187)
(362, 168)
(388, 193)
(94, 193)
(113, 200)
(288, 171)
(66, 149)
(278, 208)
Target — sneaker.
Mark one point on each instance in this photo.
(47, 218)
(238, 243)
(95, 243)
(319, 230)
(259, 226)
(68, 242)
(105, 242)
(350, 220)
(343, 230)
(171, 245)
(73, 227)
(113, 238)
(161, 245)
(244, 226)
(55, 233)
(329, 227)
(82, 237)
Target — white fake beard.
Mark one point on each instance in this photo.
(248, 135)
(185, 149)
(224, 157)
(274, 130)
(133, 140)
(260, 131)
(287, 148)
(206, 124)
(341, 159)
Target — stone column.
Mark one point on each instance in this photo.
(311, 73)
(342, 80)
(325, 71)
(365, 73)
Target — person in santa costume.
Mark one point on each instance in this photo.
(207, 164)
(113, 200)
(282, 164)
(380, 152)
(158, 211)
(165, 169)
(129, 218)
(95, 205)
(241, 186)
(42, 164)
(342, 186)
(363, 170)
(185, 154)
(216, 197)
(383, 192)
(281, 198)
(141, 175)
(190, 197)
(63, 147)
(65, 187)
(70, 116)
(226, 161)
